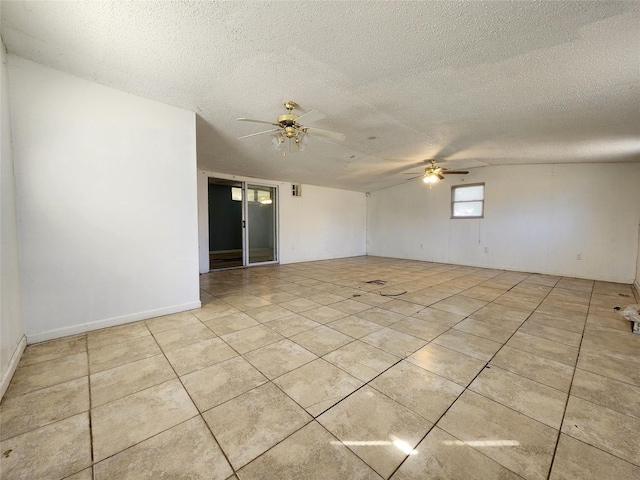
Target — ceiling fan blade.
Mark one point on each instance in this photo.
(412, 173)
(259, 133)
(325, 133)
(455, 172)
(440, 177)
(417, 176)
(404, 167)
(310, 117)
(257, 121)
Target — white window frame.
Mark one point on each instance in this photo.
(453, 202)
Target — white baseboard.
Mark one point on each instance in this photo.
(7, 375)
(601, 278)
(108, 322)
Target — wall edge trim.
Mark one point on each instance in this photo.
(13, 365)
(109, 322)
(320, 259)
(598, 278)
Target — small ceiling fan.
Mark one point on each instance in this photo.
(433, 173)
(293, 128)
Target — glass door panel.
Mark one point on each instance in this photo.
(260, 216)
(225, 224)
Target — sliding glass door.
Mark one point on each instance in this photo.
(243, 224)
(260, 224)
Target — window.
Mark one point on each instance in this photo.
(236, 194)
(467, 201)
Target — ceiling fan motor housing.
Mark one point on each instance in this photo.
(290, 132)
(288, 123)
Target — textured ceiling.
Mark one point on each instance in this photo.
(470, 83)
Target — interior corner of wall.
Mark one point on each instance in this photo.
(7, 375)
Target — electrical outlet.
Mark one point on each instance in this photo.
(486, 249)
(579, 256)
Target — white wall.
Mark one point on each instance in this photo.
(538, 218)
(107, 198)
(12, 339)
(323, 223)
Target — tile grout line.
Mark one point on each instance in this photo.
(193, 403)
(596, 447)
(54, 385)
(608, 378)
(90, 408)
(372, 379)
(467, 388)
(269, 381)
(564, 413)
(152, 386)
(315, 418)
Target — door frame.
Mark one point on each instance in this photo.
(203, 214)
(246, 225)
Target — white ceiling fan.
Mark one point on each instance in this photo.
(293, 128)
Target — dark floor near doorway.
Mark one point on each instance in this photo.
(219, 261)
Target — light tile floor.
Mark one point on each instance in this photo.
(307, 371)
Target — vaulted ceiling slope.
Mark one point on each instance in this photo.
(471, 83)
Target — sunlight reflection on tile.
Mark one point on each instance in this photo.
(484, 443)
(401, 445)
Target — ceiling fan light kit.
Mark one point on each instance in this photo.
(293, 128)
(433, 173)
(278, 140)
(431, 178)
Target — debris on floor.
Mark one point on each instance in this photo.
(392, 292)
(378, 282)
(632, 313)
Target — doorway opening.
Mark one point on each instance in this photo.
(242, 224)
(225, 224)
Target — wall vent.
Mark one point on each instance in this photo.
(296, 190)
